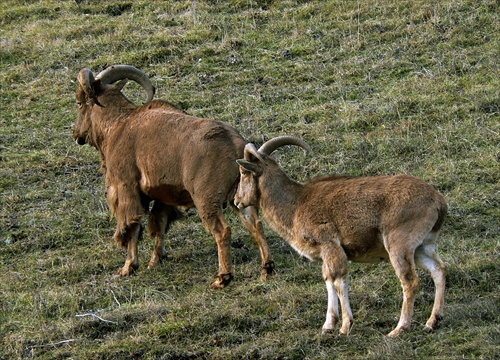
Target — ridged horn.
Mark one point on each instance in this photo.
(271, 145)
(120, 72)
(86, 78)
(251, 150)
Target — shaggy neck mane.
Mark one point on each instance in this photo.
(107, 117)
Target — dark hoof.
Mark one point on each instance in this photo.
(269, 267)
(124, 272)
(428, 329)
(326, 332)
(221, 281)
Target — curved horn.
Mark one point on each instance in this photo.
(251, 150)
(120, 72)
(271, 145)
(86, 79)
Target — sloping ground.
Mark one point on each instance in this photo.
(375, 87)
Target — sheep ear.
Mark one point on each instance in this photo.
(249, 166)
(96, 91)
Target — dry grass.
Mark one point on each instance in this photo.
(374, 87)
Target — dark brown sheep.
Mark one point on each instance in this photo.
(362, 219)
(156, 152)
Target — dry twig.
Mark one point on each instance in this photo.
(94, 314)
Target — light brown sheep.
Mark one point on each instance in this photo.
(156, 152)
(362, 219)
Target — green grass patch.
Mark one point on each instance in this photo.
(375, 87)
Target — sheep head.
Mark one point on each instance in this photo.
(91, 88)
(255, 164)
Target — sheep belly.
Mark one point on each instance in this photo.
(171, 195)
(368, 248)
(373, 256)
(309, 250)
(364, 245)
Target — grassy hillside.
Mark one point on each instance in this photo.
(375, 87)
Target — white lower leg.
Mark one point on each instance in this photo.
(332, 312)
(347, 319)
(432, 264)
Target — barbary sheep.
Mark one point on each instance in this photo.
(156, 152)
(362, 219)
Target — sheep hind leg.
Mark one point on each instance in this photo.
(404, 265)
(249, 217)
(159, 222)
(426, 258)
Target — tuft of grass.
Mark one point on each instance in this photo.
(375, 87)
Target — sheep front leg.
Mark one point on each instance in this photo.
(332, 311)
(347, 319)
(249, 217)
(127, 206)
(214, 221)
(159, 222)
(132, 234)
(224, 277)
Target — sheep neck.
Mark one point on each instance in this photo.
(278, 199)
(108, 118)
